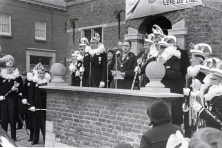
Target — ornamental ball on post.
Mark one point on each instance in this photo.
(155, 71)
(58, 70)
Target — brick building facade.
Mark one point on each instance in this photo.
(37, 32)
(194, 25)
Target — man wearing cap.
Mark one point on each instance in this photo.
(76, 66)
(11, 88)
(38, 100)
(95, 63)
(197, 58)
(171, 40)
(213, 114)
(145, 60)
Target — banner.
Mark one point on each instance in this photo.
(142, 8)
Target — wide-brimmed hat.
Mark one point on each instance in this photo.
(83, 41)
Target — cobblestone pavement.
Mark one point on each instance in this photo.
(23, 136)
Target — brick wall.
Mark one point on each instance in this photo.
(23, 18)
(87, 119)
(93, 13)
(203, 23)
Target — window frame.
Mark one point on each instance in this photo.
(10, 26)
(40, 38)
(92, 32)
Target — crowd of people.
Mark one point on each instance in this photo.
(22, 99)
(193, 73)
(198, 78)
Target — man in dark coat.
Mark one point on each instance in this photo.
(26, 99)
(160, 118)
(38, 100)
(173, 77)
(76, 66)
(95, 63)
(11, 87)
(126, 64)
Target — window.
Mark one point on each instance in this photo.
(88, 33)
(5, 24)
(40, 30)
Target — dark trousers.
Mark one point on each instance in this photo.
(40, 118)
(9, 115)
(177, 111)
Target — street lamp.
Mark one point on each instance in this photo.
(118, 17)
(71, 23)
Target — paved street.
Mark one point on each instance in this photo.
(22, 139)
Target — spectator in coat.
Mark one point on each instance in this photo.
(160, 118)
(95, 63)
(126, 64)
(11, 88)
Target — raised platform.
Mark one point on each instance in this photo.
(99, 117)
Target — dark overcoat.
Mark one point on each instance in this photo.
(76, 79)
(95, 69)
(38, 99)
(127, 65)
(9, 106)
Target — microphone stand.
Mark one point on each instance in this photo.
(116, 72)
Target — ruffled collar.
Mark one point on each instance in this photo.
(35, 78)
(214, 90)
(97, 51)
(80, 58)
(169, 52)
(192, 71)
(12, 76)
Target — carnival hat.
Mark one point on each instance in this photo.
(198, 53)
(38, 67)
(200, 76)
(170, 39)
(95, 38)
(203, 47)
(111, 50)
(216, 73)
(83, 41)
(157, 30)
(9, 59)
(205, 69)
(213, 62)
(149, 38)
(163, 43)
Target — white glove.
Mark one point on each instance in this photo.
(186, 91)
(32, 108)
(14, 89)
(24, 101)
(77, 73)
(208, 96)
(81, 69)
(137, 70)
(195, 105)
(2, 98)
(102, 84)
